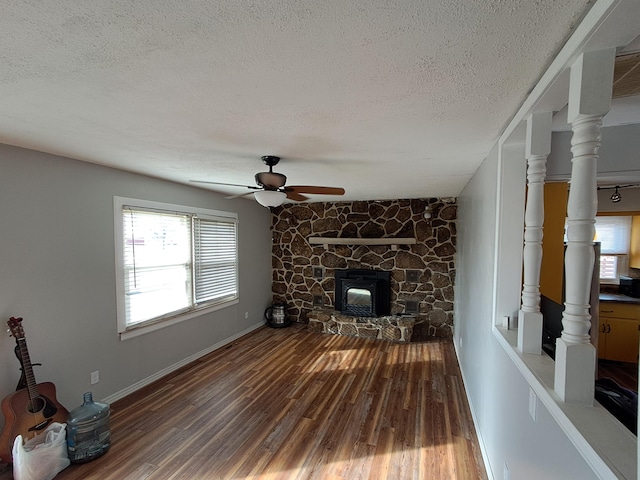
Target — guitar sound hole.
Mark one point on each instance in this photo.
(36, 405)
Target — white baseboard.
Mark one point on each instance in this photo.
(171, 368)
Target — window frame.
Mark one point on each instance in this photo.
(130, 331)
(621, 254)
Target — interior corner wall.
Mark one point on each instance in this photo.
(58, 273)
(497, 390)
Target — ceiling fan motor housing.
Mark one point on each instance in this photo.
(270, 180)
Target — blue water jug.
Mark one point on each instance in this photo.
(88, 433)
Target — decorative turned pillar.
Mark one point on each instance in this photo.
(538, 146)
(589, 100)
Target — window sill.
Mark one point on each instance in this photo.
(608, 446)
(160, 324)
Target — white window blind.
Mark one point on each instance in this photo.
(215, 253)
(172, 263)
(614, 234)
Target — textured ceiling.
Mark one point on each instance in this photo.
(386, 99)
(626, 77)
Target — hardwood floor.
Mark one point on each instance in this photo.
(625, 374)
(291, 404)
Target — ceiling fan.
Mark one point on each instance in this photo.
(271, 190)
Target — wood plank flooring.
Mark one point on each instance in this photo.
(291, 404)
(625, 374)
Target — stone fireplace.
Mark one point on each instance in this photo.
(421, 272)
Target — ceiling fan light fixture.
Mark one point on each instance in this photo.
(270, 198)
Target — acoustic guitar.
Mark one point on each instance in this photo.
(30, 410)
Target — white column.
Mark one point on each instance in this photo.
(538, 146)
(589, 100)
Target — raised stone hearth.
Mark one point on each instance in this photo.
(391, 327)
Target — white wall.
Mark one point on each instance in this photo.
(618, 158)
(498, 392)
(630, 201)
(57, 271)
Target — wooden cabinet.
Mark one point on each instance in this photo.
(618, 332)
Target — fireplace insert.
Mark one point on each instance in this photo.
(363, 293)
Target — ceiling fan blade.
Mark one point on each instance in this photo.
(226, 184)
(240, 195)
(291, 195)
(315, 190)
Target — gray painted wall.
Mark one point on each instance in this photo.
(57, 270)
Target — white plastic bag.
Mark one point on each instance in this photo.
(43, 456)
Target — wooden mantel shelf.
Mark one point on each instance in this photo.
(394, 242)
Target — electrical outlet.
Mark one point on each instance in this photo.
(246, 315)
(95, 377)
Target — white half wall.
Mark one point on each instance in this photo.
(498, 392)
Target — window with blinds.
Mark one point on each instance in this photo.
(216, 261)
(614, 234)
(172, 261)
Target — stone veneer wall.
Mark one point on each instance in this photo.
(422, 275)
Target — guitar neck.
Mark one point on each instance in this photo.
(27, 368)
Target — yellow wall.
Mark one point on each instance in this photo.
(555, 212)
(634, 258)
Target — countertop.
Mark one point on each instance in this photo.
(619, 298)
